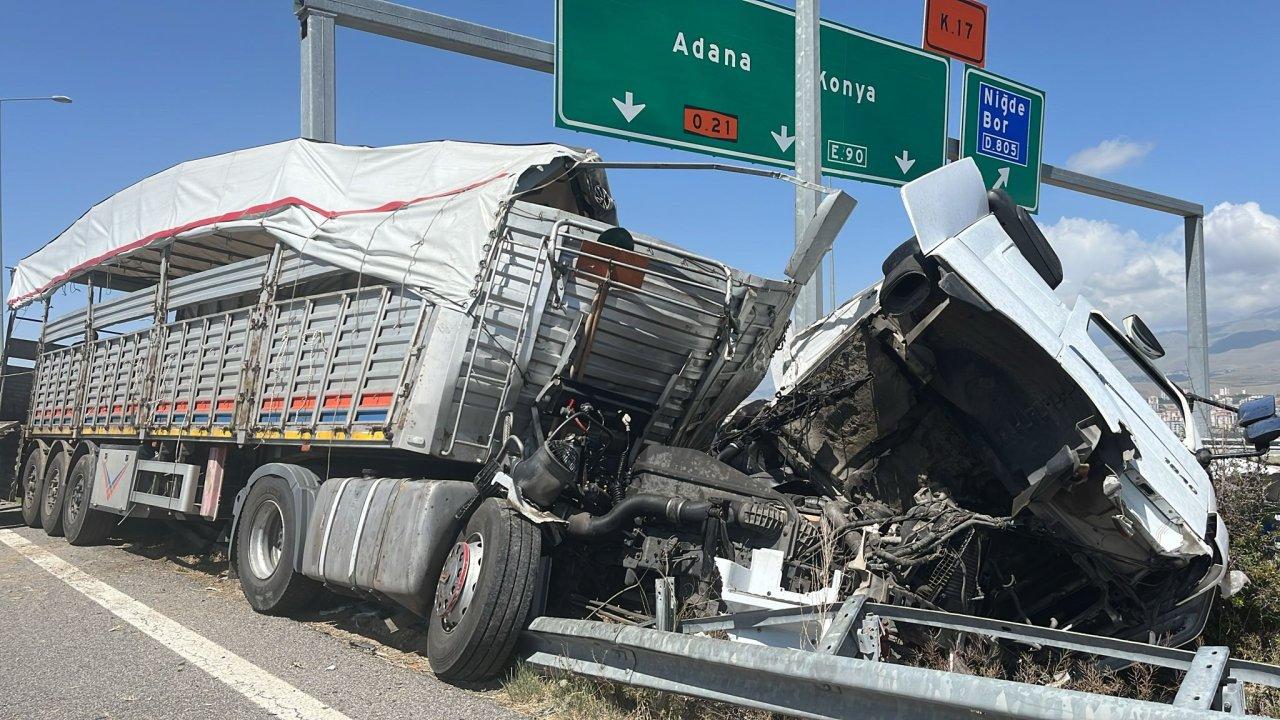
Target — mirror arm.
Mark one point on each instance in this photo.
(1209, 401)
(1204, 456)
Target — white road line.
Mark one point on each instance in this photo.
(266, 690)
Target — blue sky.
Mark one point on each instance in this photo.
(1185, 95)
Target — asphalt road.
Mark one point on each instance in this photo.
(193, 648)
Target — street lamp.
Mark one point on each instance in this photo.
(4, 329)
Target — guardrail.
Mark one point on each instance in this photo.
(837, 680)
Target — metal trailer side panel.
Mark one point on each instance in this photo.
(691, 340)
(431, 387)
(334, 368)
(54, 403)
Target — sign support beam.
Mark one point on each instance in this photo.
(389, 19)
(808, 146)
(1197, 319)
(318, 68)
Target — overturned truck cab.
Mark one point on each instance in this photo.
(978, 448)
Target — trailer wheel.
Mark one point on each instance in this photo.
(32, 479)
(265, 548)
(52, 494)
(83, 524)
(484, 595)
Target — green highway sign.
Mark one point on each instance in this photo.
(718, 77)
(1002, 129)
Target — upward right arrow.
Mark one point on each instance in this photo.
(1003, 178)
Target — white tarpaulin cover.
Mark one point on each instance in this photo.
(413, 214)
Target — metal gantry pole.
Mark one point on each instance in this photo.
(1197, 318)
(318, 64)
(55, 98)
(4, 339)
(808, 145)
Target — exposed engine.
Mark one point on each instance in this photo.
(961, 470)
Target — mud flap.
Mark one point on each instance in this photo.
(304, 485)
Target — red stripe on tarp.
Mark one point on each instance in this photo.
(239, 214)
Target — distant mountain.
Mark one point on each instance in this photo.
(1243, 354)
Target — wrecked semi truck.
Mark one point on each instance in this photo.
(443, 376)
(984, 448)
(423, 374)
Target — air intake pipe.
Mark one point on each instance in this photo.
(676, 510)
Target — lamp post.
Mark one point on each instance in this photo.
(4, 329)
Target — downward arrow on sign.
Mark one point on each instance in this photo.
(783, 139)
(628, 108)
(1003, 178)
(905, 161)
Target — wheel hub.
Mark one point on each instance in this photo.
(29, 490)
(75, 496)
(54, 493)
(458, 580)
(266, 539)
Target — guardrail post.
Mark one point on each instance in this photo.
(842, 626)
(665, 612)
(1233, 697)
(1203, 682)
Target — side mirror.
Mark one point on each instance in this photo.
(1142, 337)
(1262, 433)
(1259, 420)
(1259, 408)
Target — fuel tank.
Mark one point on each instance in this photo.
(384, 535)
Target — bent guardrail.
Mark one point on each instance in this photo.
(828, 683)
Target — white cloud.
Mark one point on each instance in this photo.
(1242, 259)
(1120, 272)
(1109, 155)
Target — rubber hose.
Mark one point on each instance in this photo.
(674, 509)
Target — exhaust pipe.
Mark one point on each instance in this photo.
(905, 287)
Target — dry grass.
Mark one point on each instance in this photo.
(563, 696)
(1249, 622)
(976, 655)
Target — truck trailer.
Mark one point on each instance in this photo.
(381, 369)
(443, 376)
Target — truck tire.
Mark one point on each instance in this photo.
(484, 595)
(52, 495)
(82, 524)
(32, 479)
(265, 548)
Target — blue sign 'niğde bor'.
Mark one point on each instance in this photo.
(1004, 124)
